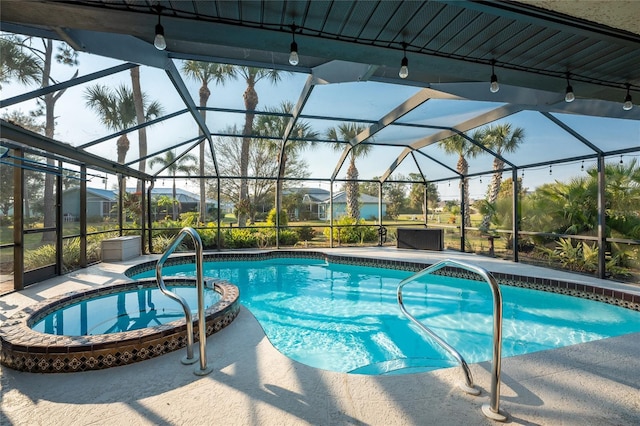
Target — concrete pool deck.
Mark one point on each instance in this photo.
(595, 383)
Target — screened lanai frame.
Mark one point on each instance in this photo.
(548, 104)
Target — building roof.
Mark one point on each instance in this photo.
(341, 198)
(311, 194)
(107, 194)
(182, 195)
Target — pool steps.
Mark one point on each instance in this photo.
(491, 410)
(202, 336)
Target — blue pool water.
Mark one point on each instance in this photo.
(346, 318)
(123, 311)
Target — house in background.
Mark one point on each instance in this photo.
(312, 198)
(368, 207)
(101, 202)
(316, 204)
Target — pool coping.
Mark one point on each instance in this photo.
(24, 349)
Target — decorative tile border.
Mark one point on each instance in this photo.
(24, 349)
(586, 291)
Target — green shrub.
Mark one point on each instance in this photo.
(305, 233)
(271, 218)
(288, 237)
(240, 238)
(39, 257)
(209, 237)
(161, 243)
(350, 231)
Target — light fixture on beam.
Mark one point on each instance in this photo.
(159, 42)
(293, 56)
(628, 104)
(569, 95)
(404, 64)
(494, 87)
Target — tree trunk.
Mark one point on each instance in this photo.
(142, 132)
(279, 184)
(123, 147)
(174, 202)
(251, 102)
(494, 190)
(463, 169)
(352, 190)
(49, 130)
(204, 97)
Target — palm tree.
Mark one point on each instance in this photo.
(571, 206)
(346, 132)
(275, 126)
(622, 189)
(117, 111)
(251, 76)
(457, 144)
(206, 72)
(500, 139)
(16, 64)
(173, 165)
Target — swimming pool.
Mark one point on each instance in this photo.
(345, 318)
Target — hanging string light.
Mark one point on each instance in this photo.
(404, 64)
(628, 104)
(621, 162)
(159, 41)
(550, 171)
(293, 56)
(569, 95)
(494, 87)
(582, 167)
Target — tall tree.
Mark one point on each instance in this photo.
(345, 132)
(457, 144)
(274, 126)
(31, 56)
(500, 139)
(185, 164)
(251, 76)
(260, 164)
(395, 193)
(117, 111)
(206, 72)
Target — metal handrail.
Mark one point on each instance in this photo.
(189, 359)
(491, 410)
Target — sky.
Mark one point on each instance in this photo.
(544, 141)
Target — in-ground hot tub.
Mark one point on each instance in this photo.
(25, 349)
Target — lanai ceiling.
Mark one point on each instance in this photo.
(450, 45)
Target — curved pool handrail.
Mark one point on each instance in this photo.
(491, 410)
(197, 241)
